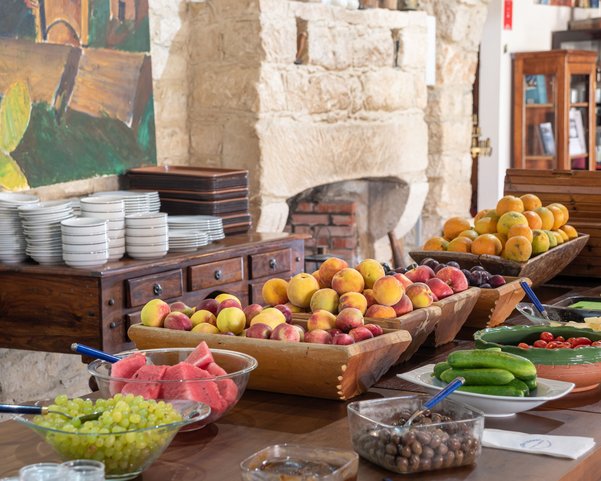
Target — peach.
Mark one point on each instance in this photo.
(301, 331)
(330, 267)
(275, 291)
(284, 309)
(301, 288)
(205, 328)
(270, 316)
(454, 278)
(420, 274)
(348, 280)
(208, 305)
(375, 329)
(371, 270)
(318, 277)
(231, 319)
(353, 299)
(343, 339)
(318, 336)
(177, 321)
(334, 331)
(179, 306)
(326, 299)
(403, 279)
(378, 311)
(388, 290)
(223, 296)
(321, 319)
(403, 306)
(348, 319)
(369, 296)
(228, 303)
(203, 316)
(154, 313)
(420, 294)
(439, 288)
(293, 308)
(251, 311)
(360, 333)
(285, 332)
(259, 331)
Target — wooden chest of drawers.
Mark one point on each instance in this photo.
(47, 308)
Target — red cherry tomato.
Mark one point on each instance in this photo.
(559, 339)
(553, 345)
(582, 341)
(564, 345)
(572, 341)
(596, 344)
(523, 345)
(546, 336)
(540, 343)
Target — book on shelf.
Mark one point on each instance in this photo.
(577, 140)
(536, 89)
(585, 24)
(547, 137)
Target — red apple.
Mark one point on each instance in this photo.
(439, 288)
(420, 274)
(454, 278)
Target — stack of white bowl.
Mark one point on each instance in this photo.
(112, 209)
(42, 227)
(211, 224)
(12, 238)
(187, 240)
(136, 201)
(146, 235)
(85, 241)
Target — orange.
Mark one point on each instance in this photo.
(501, 237)
(470, 234)
(487, 225)
(460, 244)
(534, 220)
(436, 244)
(521, 230)
(546, 216)
(540, 242)
(509, 219)
(570, 231)
(557, 215)
(531, 201)
(509, 203)
(453, 226)
(483, 213)
(563, 234)
(558, 236)
(487, 244)
(518, 249)
(563, 208)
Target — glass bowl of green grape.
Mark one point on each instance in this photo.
(129, 434)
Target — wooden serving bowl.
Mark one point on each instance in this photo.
(538, 269)
(582, 365)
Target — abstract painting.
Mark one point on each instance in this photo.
(75, 90)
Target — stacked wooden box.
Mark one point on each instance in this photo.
(199, 191)
(580, 192)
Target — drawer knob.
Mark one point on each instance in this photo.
(273, 263)
(113, 325)
(218, 274)
(157, 289)
(111, 302)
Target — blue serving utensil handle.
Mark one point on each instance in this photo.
(538, 304)
(90, 351)
(16, 409)
(448, 390)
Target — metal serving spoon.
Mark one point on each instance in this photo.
(434, 400)
(24, 409)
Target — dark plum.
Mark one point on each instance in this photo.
(412, 266)
(469, 277)
(486, 276)
(486, 285)
(477, 268)
(438, 267)
(453, 264)
(387, 269)
(400, 270)
(478, 277)
(431, 263)
(497, 281)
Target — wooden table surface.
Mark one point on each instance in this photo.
(261, 419)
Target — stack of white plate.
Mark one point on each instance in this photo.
(42, 227)
(207, 223)
(12, 238)
(112, 209)
(187, 240)
(136, 201)
(146, 235)
(85, 241)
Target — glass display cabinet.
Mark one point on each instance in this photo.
(554, 110)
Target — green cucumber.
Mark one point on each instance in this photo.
(519, 366)
(531, 383)
(479, 377)
(440, 368)
(506, 390)
(497, 349)
(518, 383)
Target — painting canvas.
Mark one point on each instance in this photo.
(75, 90)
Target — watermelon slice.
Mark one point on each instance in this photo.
(148, 390)
(204, 390)
(227, 387)
(125, 368)
(201, 356)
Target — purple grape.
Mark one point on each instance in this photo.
(400, 270)
(469, 277)
(477, 268)
(478, 277)
(431, 263)
(486, 285)
(453, 264)
(438, 267)
(497, 281)
(486, 276)
(425, 261)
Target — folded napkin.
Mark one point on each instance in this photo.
(571, 447)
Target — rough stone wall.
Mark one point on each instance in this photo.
(459, 25)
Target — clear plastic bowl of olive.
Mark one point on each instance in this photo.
(448, 436)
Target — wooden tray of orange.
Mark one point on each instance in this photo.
(301, 368)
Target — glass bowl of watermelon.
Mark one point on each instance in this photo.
(216, 377)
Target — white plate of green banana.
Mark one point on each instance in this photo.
(497, 383)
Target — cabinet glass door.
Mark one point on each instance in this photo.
(579, 132)
(540, 126)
